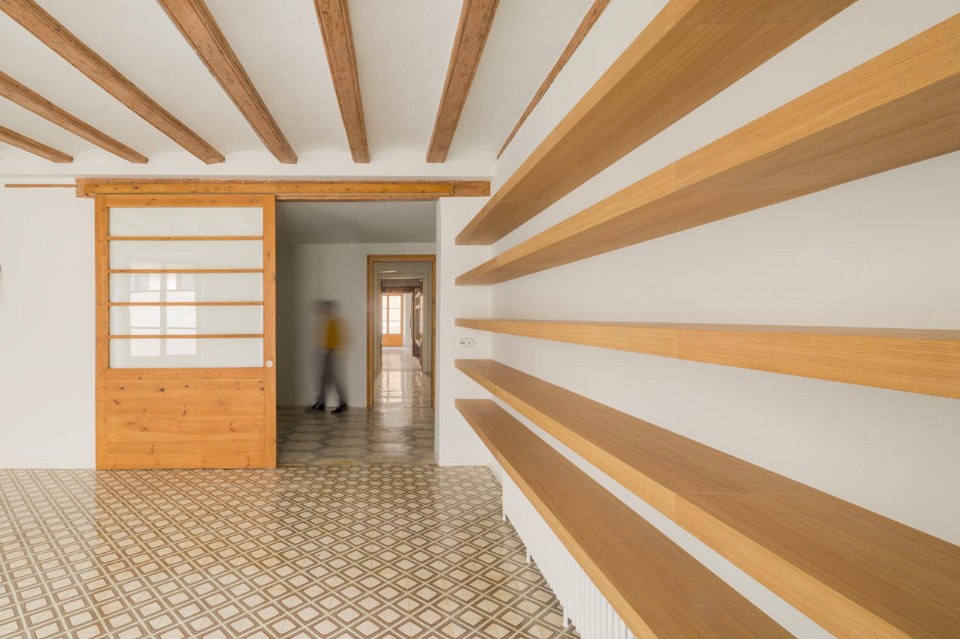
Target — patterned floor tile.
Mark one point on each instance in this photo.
(334, 551)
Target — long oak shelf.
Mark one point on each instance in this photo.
(656, 587)
(691, 51)
(901, 107)
(912, 360)
(854, 572)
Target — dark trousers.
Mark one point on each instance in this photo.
(330, 376)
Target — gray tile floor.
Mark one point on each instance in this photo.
(399, 429)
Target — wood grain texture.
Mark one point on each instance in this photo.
(917, 361)
(46, 28)
(591, 17)
(183, 238)
(852, 571)
(692, 50)
(201, 30)
(337, 34)
(30, 145)
(898, 108)
(288, 190)
(476, 18)
(33, 101)
(657, 589)
(185, 417)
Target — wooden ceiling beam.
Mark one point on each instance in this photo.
(476, 18)
(692, 50)
(46, 28)
(33, 101)
(334, 18)
(201, 30)
(591, 17)
(32, 146)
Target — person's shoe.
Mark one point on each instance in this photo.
(339, 409)
(317, 406)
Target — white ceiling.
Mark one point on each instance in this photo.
(356, 222)
(403, 48)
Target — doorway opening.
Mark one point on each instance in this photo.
(401, 315)
(372, 260)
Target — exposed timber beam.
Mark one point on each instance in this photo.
(201, 30)
(33, 101)
(56, 36)
(334, 20)
(32, 146)
(476, 18)
(692, 50)
(901, 107)
(591, 17)
(290, 190)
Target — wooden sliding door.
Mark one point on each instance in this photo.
(186, 332)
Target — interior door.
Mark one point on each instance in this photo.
(186, 332)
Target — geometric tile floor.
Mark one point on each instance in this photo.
(352, 552)
(358, 436)
(399, 428)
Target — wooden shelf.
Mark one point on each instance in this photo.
(656, 588)
(901, 107)
(852, 571)
(690, 51)
(917, 361)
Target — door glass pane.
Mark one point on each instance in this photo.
(186, 287)
(186, 221)
(186, 353)
(186, 254)
(185, 320)
(394, 301)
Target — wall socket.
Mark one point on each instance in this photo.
(466, 342)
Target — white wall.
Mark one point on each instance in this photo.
(456, 442)
(46, 329)
(877, 252)
(306, 273)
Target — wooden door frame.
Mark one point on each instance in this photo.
(102, 206)
(373, 298)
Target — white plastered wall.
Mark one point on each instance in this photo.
(46, 329)
(877, 252)
(456, 443)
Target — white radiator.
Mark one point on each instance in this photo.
(583, 605)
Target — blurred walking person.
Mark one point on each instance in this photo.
(331, 340)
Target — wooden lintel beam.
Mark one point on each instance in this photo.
(692, 50)
(290, 190)
(334, 18)
(32, 146)
(201, 30)
(33, 101)
(476, 18)
(56, 36)
(589, 19)
(901, 107)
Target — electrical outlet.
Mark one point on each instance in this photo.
(467, 342)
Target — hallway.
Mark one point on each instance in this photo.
(399, 429)
(400, 382)
(341, 552)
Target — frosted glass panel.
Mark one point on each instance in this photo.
(186, 353)
(186, 287)
(185, 320)
(186, 254)
(186, 221)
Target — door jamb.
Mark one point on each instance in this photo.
(373, 298)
